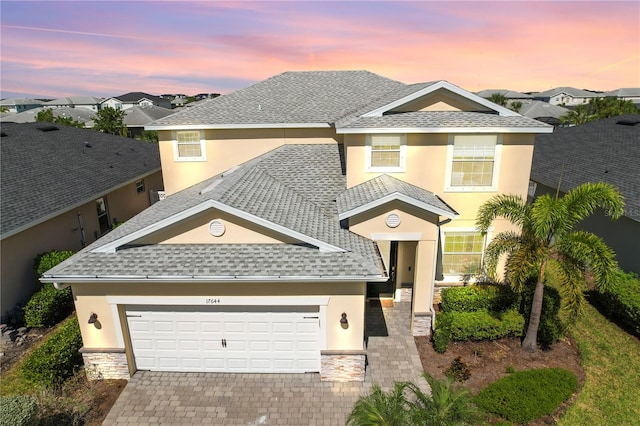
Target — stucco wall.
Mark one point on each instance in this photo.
(18, 279)
(228, 148)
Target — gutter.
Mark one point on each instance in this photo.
(70, 279)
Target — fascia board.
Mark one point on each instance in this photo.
(70, 279)
(237, 126)
(112, 246)
(75, 205)
(399, 197)
(362, 130)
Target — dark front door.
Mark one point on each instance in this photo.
(386, 289)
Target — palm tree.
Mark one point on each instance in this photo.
(498, 98)
(548, 240)
(380, 408)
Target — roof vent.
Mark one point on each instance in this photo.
(47, 128)
(628, 121)
(3, 134)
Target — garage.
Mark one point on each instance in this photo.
(240, 339)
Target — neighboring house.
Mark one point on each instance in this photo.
(566, 96)
(599, 151)
(137, 117)
(62, 188)
(17, 105)
(90, 103)
(543, 111)
(628, 94)
(131, 99)
(83, 115)
(290, 202)
(509, 94)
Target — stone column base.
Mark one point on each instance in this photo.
(342, 366)
(421, 324)
(105, 364)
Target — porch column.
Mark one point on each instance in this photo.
(423, 288)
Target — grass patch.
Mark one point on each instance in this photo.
(611, 359)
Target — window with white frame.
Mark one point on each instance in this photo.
(462, 253)
(473, 162)
(386, 152)
(189, 146)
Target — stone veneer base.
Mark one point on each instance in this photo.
(348, 366)
(421, 324)
(105, 364)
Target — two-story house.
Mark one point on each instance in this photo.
(566, 96)
(291, 202)
(140, 99)
(90, 103)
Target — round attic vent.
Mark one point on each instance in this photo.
(393, 220)
(216, 228)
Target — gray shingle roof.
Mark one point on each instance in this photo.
(137, 116)
(430, 119)
(383, 186)
(273, 187)
(625, 92)
(571, 91)
(82, 115)
(290, 97)
(538, 109)
(47, 172)
(599, 151)
(509, 94)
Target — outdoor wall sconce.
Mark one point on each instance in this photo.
(344, 322)
(93, 318)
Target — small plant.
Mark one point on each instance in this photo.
(529, 394)
(510, 369)
(18, 410)
(458, 370)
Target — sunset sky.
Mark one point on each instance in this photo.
(107, 48)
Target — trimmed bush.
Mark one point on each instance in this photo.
(488, 297)
(621, 302)
(551, 328)
(57, 358)
(45, 261)
(48, 306)
(442, 333)
(18, 410)
(528, 395)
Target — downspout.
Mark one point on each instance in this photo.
(433, 278)
(60, 286)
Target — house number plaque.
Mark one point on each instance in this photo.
(212, 301)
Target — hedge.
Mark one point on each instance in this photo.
(479, 325)
(18, 410)
(48, 306)
(551, 328)
(45, 261)
(528, 395)
(621, 302)
(57, 358)
(489, 297)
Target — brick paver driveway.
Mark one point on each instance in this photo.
(153, 398)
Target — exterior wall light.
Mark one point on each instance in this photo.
(93, 318)
(344, 322)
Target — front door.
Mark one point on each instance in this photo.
(386, 289)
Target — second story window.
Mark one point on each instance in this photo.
(189, 146)
(473, 163)
(386, 153)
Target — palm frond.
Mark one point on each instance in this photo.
(504, 243)
(511, 207)
(546, 214)
(583, 200)
(524, 263)
(571, 289)
(380, 408)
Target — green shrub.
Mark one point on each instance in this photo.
(48, 306)
(488, 297)
(528, 395)
(57, 358)
(551, 328)
(482, 325)
(621, 302)
(442, 333)
(45, 261)
(18, 410)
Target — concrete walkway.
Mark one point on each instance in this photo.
(153, 398)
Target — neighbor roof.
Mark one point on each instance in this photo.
(136, 96)
(275, 191)
(49, 169)
(138, 116)
(75, 100)
(82, 115)
(626, 92)
(571, 91)
(599, 151)
(509, 94)
(540, 109)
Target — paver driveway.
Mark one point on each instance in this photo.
(153, 398)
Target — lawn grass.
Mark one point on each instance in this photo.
(611, 360)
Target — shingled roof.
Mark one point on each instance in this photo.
(266, 190)
(599, 151)
(49, 169)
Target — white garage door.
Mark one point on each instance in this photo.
(225, 339)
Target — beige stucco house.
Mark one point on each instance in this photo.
(288, 204)
(61, 189)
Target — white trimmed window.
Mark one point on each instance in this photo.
(386, 153)
(189, 145)
(473, 163)
(462, 253)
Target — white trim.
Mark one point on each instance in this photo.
(442, 84)
(401, 168)
(446, 229)
(396, 236)
(176, 155)
(112, 246)
(159, 279)
(117, 326)
(237, 126)
(393, 197)
(497, 157)
(222, 300)
(359, 130)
